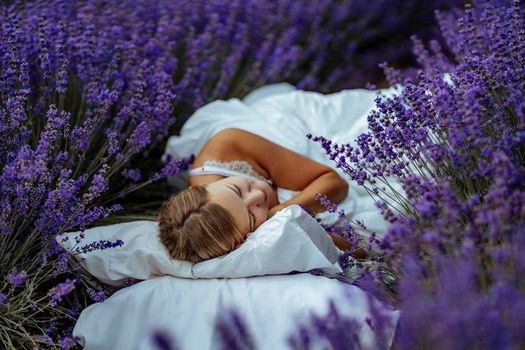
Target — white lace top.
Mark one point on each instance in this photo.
(233, 168)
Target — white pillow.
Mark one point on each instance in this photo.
(290, 241)
(271, 306)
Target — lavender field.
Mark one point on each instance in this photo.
(91, 90)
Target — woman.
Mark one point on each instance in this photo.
(262, 139)
(218, 211)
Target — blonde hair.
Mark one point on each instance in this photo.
(194, 229)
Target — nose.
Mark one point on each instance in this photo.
(255, 197)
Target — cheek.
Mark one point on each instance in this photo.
(262, 215)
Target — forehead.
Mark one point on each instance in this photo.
(220, 192)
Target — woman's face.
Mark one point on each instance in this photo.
(248, 201)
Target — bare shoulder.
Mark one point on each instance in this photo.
(230, 135)
(237, 136)
(245, 142)
(220, 146)
(287, 168)
(226, 136)
(236, 140)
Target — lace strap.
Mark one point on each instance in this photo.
(230, 168)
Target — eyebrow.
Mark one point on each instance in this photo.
(237, 191)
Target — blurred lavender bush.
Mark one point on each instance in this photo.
(75, 107)
(456, 144)
(90, 90)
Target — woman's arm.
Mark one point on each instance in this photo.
(291, 170)
(343, 244)
(329, 183)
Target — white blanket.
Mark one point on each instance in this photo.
(271, 306)
(284, 116)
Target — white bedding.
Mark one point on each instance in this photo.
(271, 306)
(290, 241)
(284, 115)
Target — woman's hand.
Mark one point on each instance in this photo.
(343, 244)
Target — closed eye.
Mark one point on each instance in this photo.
(249, 211)
(251, 217)
(237, 191)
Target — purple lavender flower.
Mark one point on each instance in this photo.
(173, 167)
(97, 296)
(128, 282)
(98, 245)
(162, 340)
(452, 143)
(113, 143)
(338, 331)
(233, 333)
(99, 185)
(3, 298)
(69, 342)
(61, 290)
(56, 125)
(140, 137)
(133, 174)
(325, 202)
(17, 278)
